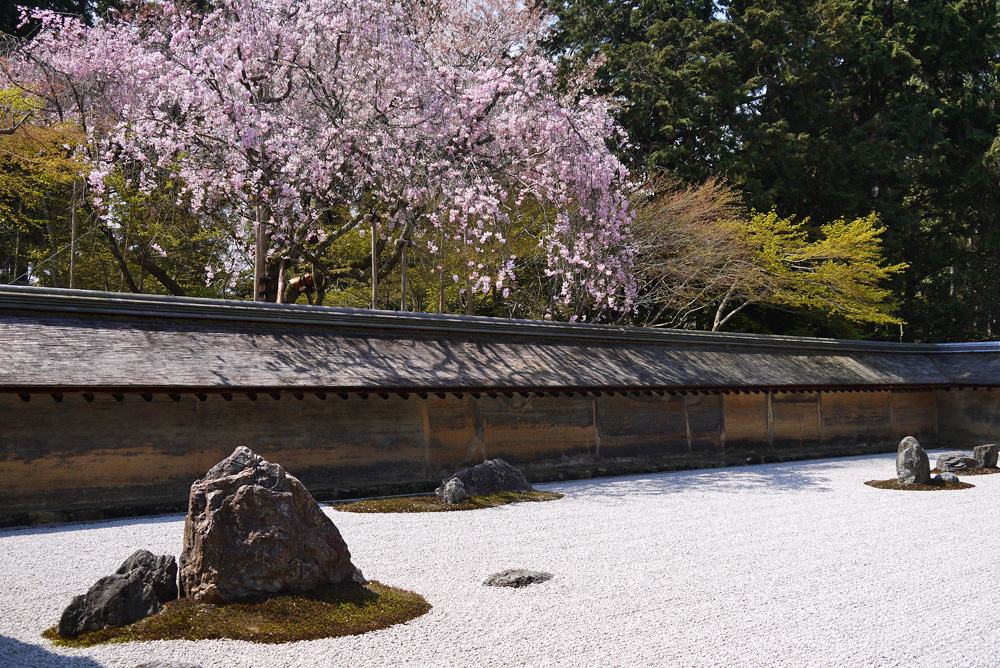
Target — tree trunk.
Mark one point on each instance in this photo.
(402, 287)
(282, 264)
(54, 243)
(157, 272)
(441, 272)
(127, 279)
(374, 231)
(258, 257)
(72, 239)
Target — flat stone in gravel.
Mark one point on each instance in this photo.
(912, 464)
(140, 587)
(985, 455)
(516, 577)
(956, 461)
(253, 530)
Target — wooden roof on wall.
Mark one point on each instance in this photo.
(53, 340)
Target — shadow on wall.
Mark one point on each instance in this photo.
(23, 655)
(766, 478)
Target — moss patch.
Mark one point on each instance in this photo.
(932, 486)
(979, 471)
(432, 504)
(327, 613)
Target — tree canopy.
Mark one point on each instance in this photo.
(820, 110)
(486, 147)
(436, 122)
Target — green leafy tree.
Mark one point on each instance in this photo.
(37, 170)
(825, 109)
(705, 261)
(672, 64)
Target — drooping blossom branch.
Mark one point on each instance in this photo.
(443, 111)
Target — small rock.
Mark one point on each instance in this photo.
(493, 475)
(454, 491)
(160, 573)
(912, 464)
(946, 477)
(986, 455)
(138, 589)
(956, 461)
(253, 530)
(516, 577)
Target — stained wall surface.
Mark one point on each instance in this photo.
(108, 452)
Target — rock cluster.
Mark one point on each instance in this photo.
(253, 530)
(493, 475)
(912, 464)
(138, 588)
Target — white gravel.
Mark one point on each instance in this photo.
(779, 565)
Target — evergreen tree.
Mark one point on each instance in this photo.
(825, 109)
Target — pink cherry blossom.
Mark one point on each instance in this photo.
(445, 111)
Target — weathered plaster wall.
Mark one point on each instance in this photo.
(108, 454)
(968, 416)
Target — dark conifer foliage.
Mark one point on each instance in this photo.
(826, 109)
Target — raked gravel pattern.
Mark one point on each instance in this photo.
(795, 565)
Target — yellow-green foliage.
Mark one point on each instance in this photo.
(37, 169)
(842, 271)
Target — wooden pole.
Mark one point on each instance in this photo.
(441, 272)
(258, 257)
(374, 262)
(72, 240)
(402, 290)
(468, 281)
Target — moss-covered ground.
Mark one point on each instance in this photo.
(980, 471)
(326, 613)
(932, 486)
(432, 504)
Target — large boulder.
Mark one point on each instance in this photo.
(956, 461)
(253, 530)
(138, 589)
(493, 475)
(986, 455)
(912, 464)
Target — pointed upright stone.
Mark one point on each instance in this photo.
(253, 530)
(912, 464)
